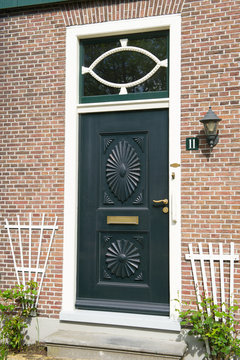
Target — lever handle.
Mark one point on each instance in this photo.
(164, 201)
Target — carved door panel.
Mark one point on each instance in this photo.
(122, 236)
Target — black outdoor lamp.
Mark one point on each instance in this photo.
(210, 122)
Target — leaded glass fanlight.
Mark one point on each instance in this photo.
(124, 67)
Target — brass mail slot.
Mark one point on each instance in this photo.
(127, 220)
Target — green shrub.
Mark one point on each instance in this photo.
(3, 351)
(16, 306)
(217, 328)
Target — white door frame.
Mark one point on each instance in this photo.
(73, 109)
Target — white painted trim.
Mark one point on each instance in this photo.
(175, 157)
(71, 171)
(123, 105)
(121, 319)
(173, 23)
(110, 28)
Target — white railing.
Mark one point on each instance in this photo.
(210, 264)
(30, 266)
(211, 258)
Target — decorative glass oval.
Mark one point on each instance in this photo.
(134, 65)
(123, 86)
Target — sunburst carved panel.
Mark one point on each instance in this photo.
(139, 199)
(122, 258)
(140, 141)
(106, 238)
(107, 200)
(107, 143)
(123, 170)
(140, 239)
(139, 277)
(106, 275)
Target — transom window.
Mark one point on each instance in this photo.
(124, 67)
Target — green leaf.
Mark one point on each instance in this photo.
(14, 313)
(217, 326)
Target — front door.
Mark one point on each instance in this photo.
(123, 250)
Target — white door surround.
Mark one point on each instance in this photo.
(74, 34)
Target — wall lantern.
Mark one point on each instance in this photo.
(210, 122)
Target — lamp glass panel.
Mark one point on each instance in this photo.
(211, 127)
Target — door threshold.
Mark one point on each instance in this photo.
(121, 319)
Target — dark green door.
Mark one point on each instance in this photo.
(122, 234)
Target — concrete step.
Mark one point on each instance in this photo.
(104, 346)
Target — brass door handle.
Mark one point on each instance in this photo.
(158, 202)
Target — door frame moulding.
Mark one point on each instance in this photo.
(73, 109)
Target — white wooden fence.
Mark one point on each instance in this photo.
(31, 266)
(211, 258)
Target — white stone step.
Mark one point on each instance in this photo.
(104, 346)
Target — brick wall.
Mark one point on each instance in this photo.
(32, 79)
(210, 77)
(32, 134)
